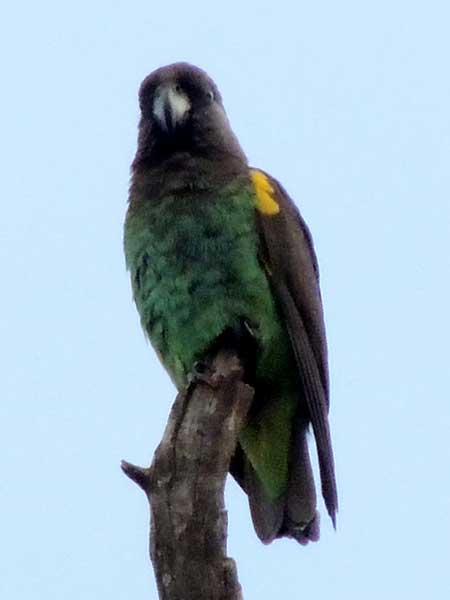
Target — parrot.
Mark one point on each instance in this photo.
(218, 252)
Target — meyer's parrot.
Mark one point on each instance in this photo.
(216, 248)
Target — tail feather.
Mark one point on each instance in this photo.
(301, 496)
(293, 514)
(301, 520)
(267, 514)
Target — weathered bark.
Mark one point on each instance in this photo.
(185, 486)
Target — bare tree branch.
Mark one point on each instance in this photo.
(185, 486)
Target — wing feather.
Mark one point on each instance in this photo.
(291, 264)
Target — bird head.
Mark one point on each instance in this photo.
(182, 112)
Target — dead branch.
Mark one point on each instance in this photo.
(185, 486)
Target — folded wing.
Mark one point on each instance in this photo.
(290, 262)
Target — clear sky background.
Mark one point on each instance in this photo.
(348, 104)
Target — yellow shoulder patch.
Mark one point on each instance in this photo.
(265, 202)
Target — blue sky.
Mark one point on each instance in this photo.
(348, 104)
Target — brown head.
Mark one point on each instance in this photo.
(182, 115)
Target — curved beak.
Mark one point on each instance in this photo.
(170, 106)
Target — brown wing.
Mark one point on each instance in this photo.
(291, 264)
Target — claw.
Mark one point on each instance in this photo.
(203, 372)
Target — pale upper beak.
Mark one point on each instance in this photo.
(170, 106)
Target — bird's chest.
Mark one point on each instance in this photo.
(195, 271)
(198, 245)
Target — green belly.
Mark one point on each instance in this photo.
(195, 272)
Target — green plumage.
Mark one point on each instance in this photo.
(215, 249)
(195, 271)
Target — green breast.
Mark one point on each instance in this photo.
(193, 260)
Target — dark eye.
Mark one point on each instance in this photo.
(178, 88)
(210, 95)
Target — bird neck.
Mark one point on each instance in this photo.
(166, 167)
(184, 172)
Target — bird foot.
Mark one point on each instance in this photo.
(202, 372)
